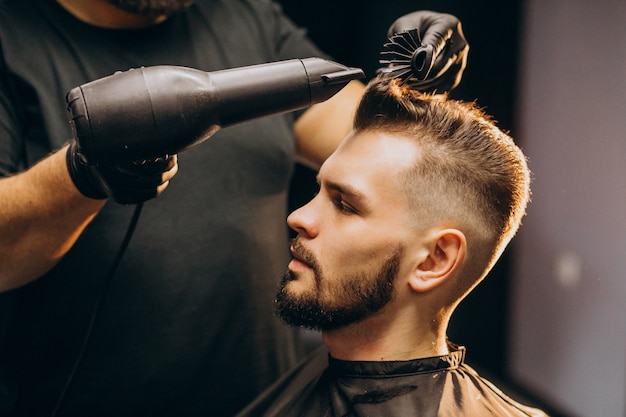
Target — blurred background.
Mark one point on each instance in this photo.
(549, 323)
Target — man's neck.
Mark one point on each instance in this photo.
(103, 14)
(372, 340)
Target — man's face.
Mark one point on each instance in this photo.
(151, 7)
(352, 237)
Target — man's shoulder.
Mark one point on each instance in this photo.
(481, 395)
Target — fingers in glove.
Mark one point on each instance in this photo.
(440, 35)
(148, 167)
(138, 190)
(150, 174)
(130, 183)
(439, 31)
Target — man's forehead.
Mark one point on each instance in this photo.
(375, 150)
(368, 159)
(381, 142)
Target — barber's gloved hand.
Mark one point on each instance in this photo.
(126, 182)
(442, 38)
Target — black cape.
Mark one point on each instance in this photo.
(437, 386)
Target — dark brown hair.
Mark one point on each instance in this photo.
(469, 172)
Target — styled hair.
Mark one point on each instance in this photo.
(469, 173)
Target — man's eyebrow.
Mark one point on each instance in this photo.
(344, 189)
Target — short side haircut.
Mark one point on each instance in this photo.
(469, 171)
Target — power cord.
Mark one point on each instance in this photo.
(94, 315)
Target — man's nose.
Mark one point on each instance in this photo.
(304, 220)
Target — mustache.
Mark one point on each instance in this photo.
(300, 251)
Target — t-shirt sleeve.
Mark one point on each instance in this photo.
(9, 143)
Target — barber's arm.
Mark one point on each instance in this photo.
(44, 209)
(322, 127)
(41, 216)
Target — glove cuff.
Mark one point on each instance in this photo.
(82, 174)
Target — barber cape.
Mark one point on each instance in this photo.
(322, 386)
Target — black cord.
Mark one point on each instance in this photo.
(94, 315)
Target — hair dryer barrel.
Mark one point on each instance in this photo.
(148, 112)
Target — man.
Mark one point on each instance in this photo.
(182, 325)
(413, 210)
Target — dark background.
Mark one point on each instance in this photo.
(354, 36)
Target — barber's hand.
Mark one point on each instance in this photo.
(126, 183)
(442, 34)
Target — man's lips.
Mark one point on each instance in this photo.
(298, 260)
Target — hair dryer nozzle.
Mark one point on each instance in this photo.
(149, 112)
(343, 77)
(326, 78)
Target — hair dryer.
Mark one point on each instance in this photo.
(148, 112)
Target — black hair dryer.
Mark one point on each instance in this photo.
(148, 112)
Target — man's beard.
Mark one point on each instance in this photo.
(151, 7)
(354, 298)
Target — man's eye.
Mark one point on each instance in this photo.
(343, 206)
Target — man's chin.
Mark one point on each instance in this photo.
(296, 287)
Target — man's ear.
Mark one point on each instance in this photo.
(446, 251)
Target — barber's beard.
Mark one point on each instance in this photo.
(349, 299)
(151, 7)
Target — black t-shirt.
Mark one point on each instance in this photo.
(187, 326)
(440, 386)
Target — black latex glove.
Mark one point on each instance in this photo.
(441, 55)
(126, 183)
